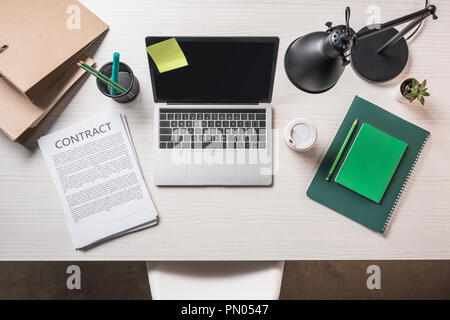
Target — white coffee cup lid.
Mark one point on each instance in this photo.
(300, 134)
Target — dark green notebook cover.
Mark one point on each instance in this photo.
(345, 201)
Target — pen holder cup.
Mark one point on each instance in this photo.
(126, 80)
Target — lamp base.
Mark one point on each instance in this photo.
(380, 67)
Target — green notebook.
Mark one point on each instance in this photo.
(373, 215)
(371, 162)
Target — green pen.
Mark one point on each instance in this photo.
(115, 71)
(341, 151)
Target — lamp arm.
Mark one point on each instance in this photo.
(419, 15)
(399, 35)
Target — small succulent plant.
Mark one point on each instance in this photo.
(415, 90)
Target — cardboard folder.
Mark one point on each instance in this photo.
(40, 39)
(17, 113)
(40, 43)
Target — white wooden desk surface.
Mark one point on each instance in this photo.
(264, 223)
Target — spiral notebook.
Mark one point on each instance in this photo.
(357, 207)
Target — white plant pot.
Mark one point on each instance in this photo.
(398, 94)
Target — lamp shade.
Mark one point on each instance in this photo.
(312, 64)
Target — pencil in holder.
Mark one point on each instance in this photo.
(127, 79)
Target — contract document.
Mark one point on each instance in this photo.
(98, 178)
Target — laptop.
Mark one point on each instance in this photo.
(213, 118)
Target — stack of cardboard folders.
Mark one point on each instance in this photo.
(40, 41)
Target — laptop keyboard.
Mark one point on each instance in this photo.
(212, 129)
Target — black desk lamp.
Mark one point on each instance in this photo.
(314, 62)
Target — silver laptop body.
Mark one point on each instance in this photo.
(201, 144)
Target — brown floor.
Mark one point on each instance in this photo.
(302, 280)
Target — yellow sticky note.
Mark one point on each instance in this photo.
(167, 55)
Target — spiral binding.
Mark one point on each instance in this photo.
(399, 196)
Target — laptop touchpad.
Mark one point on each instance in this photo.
(211, 168)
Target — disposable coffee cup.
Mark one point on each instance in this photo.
(300, 134)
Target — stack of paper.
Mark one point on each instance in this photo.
(98, 178)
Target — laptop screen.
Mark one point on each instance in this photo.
(220, 70)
